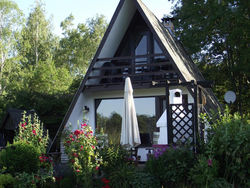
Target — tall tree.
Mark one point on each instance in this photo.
(10, 22)
(37, 48)
(216, 33)
(79, 44)
(37, 43)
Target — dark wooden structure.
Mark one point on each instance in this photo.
(10, 123)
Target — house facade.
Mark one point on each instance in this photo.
(137, 45)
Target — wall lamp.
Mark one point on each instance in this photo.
(86, 109)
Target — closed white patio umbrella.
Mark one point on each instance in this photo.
(130, 136)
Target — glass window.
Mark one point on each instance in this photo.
(109, 118)
(140, 49)
(157, 50)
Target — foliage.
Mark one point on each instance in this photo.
(78, 45)
(31, 131)
(122, 176)
(27, 180)
(172, 167)
(113, 156)
(144, 180)
(128, 176)
(20, 157)
(204, 172)
(37, 42)
(80, 146)
(10, 22)
(229, 145)
(218, 41)
(6, 180)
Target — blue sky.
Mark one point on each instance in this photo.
(83, 9)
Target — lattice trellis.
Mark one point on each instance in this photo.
(182, 121)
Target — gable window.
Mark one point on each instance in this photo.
(141, 48)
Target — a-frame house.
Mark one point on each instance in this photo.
(136, 44)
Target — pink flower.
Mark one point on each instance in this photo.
(77, 170)
(97, 167)
(71, 136)
(209, 162)
(34, 132)
(93, 147)
(83, 125)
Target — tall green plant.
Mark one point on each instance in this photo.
(31, 131)
(229, 145)
(171, 167)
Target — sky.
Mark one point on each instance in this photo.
(84, 9)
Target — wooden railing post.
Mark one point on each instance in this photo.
(168, 118)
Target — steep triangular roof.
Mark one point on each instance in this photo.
(120, 23)
(15, 115)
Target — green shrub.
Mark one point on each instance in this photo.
(122, 176)
(144, 180)
(172, 167)
(229, 144)
(6, 180)
(33, 180)
(204, 172)
(113, 156)
(20, 157)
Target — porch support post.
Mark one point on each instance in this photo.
(169, 122)
(195, 115)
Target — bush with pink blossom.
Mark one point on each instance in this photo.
(81, 148)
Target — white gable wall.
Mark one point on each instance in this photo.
(118, 30)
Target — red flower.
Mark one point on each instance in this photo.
(77, 132)
(104, 180)
(71, 136)
(75, 154)
(93, 147)
(34, 132)
(97, 167)
(77, 170)
(81, 148)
